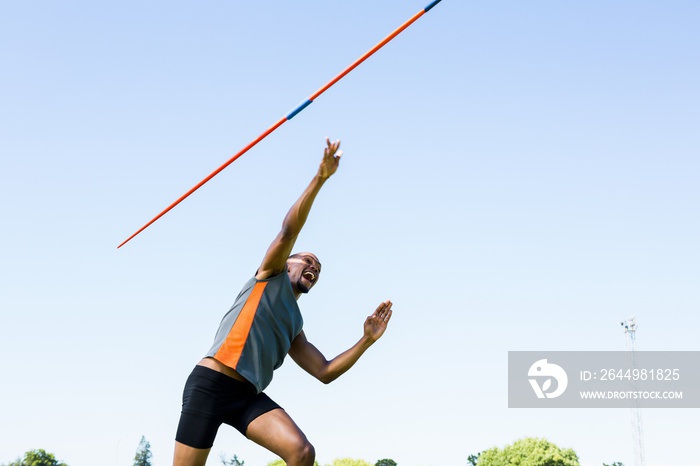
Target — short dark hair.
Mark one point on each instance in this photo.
(300, 255)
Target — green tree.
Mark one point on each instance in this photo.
(37, 458)
(282, 463)
(349, 462)
(385, 462)
(233, 461)
(529, 452)
(143, 453)
(472, 459)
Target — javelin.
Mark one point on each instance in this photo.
(289, 116)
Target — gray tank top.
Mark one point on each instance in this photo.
(256, 333)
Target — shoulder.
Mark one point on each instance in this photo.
(268, 278)
(266, 275)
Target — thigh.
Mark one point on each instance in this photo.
(244, 410)
(189, 456)
(277, 432)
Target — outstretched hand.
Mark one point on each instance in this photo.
(331, 159)
(375, 325)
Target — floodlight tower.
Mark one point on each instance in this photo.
(630, 328)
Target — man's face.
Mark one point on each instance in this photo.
(303, 270)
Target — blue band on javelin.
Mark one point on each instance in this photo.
(427, 8)
(301, 107)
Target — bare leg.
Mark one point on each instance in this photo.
(277, 432)
(189, 456)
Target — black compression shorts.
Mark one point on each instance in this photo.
(211, 399)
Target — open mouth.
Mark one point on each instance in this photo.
(310, 276)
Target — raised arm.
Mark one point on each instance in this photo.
(276, 257)
(309, 358)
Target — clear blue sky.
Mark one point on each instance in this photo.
(517, 176)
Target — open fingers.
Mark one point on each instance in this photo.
(332, 148)
(383, 311)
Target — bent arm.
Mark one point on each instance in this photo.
(276, 256)
(309, 358)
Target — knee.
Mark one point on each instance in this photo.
(304, 454)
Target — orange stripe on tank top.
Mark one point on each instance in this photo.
(230, 351)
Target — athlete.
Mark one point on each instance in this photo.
(261, 328)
